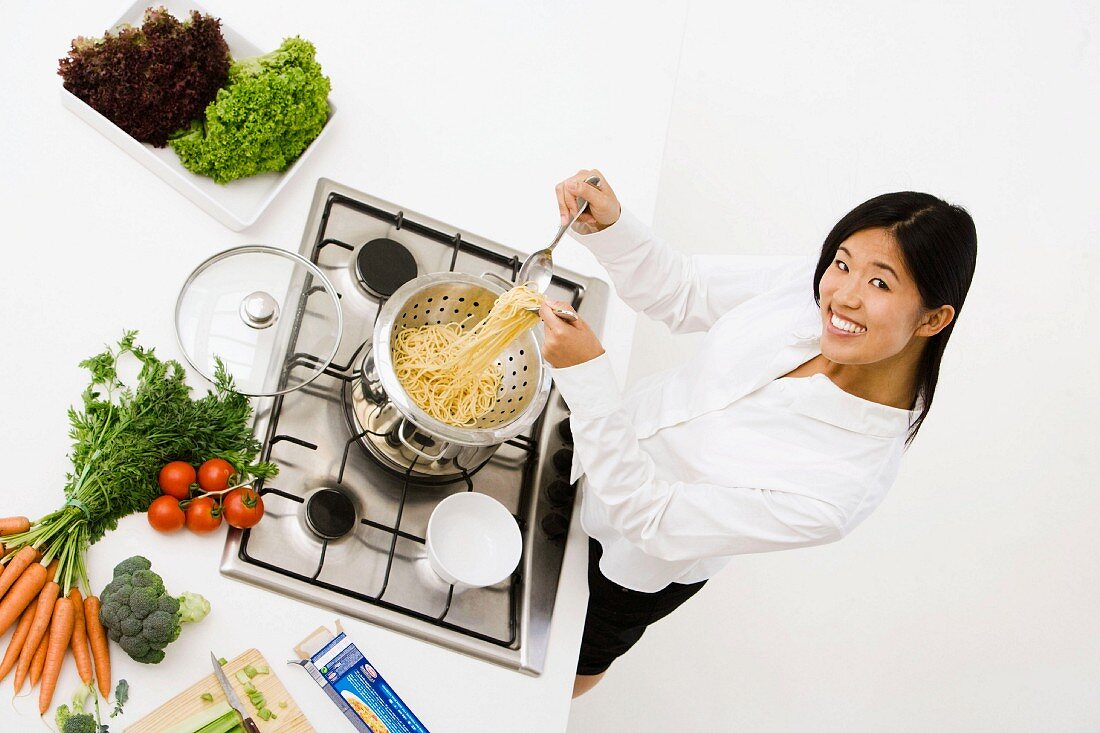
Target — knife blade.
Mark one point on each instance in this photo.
(230, 695)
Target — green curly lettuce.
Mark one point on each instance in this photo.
(272, 108)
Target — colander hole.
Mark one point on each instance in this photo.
(521, 352)
(524, 367)
(442, 309)
(476, 304)
(510, 358)
(469, 315)
(512, 410)
(456, 311)
(445, 297)
(513, 372)
(414, 316)
(429, 300)
(521, 398)
(525, 384)
(461, 300)
(416, 305)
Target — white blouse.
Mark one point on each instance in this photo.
(722, 455)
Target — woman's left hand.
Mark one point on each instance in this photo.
(567, 343)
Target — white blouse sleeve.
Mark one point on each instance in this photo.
(678, 520)
(687, 293)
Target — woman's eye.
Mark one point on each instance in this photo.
(843, 266)
(884, 286)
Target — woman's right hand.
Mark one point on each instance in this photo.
(603, 206)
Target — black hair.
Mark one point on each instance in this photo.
(939, 245)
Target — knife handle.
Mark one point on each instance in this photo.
(250, 725)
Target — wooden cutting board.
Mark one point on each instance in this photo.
(290, 719)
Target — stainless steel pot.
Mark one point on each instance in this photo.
(397, 429)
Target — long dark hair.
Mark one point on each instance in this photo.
(940, 247)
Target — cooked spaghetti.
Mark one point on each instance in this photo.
(449, 369)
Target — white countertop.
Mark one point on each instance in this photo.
(468, 112)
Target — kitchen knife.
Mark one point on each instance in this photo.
(234, 701)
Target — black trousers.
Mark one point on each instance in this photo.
(617, 616)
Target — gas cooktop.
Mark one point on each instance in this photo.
(344, 525)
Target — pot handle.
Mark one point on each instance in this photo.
(405, 442)
(506, 284)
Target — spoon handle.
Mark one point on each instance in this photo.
(582, 206)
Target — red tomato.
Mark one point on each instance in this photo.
(243, 508)
(175, 479)
(214, 475)
(165, 515)
(203, 515)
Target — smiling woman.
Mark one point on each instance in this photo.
(738, 451)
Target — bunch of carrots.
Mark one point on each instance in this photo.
(49, 623)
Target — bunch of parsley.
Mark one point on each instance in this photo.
(122, 437)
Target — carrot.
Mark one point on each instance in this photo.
(61, 631)
(25, 590)
(20, 562)
(18, 639)
(97, 639)
(37, 661)
(14, 525)
(80, 638)
(46, 600)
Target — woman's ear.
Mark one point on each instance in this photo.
(935, 321)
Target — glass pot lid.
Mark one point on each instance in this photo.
(252, 307)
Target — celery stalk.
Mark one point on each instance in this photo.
(217, 718)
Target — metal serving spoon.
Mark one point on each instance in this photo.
(539, 267)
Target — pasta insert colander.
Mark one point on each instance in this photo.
(445, 298)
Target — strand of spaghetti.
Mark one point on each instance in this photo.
(449, 369)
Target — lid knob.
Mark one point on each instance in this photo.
(259, 310)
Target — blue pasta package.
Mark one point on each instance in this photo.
(354, 684)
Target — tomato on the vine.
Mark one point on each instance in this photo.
(165, 515)
(176, 479)
(243, 508)
(204, 515)
(214, 475)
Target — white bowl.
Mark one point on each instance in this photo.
(237, 204)
(472, 540)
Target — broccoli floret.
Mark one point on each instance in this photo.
(271, 109)
(80, 723)
(75, 720)
(140, 616)
(143, 601)
(128, 567)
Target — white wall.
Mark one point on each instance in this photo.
(970, 600)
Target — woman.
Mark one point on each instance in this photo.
(784, 430)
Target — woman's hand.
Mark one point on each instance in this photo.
(603, 206)
(566, 343)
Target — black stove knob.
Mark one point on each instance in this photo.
(560, 492)
(565, 431)
(563, 461)
(555, 525)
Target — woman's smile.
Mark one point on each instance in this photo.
(840, 326)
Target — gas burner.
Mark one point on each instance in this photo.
(330, 514)
(383, 265)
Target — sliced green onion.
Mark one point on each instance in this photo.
(241, 677)
(207, 696)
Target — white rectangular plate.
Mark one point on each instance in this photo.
(237, 204)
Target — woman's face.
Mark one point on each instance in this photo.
(868, 286)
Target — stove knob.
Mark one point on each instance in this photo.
(560, 492)
(563, 461)
(555, 525)
(565, 431)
